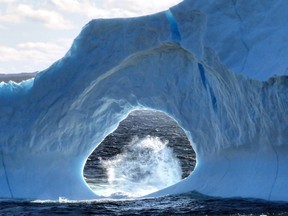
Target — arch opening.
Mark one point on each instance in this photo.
(148, 152)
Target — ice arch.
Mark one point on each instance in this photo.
(50, 125)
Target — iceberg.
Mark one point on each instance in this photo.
(218, 68)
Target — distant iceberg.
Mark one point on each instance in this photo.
(218, 68)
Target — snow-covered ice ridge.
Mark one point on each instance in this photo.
(219, 68)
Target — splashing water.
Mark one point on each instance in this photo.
(145, 166)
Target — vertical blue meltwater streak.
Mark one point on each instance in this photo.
(175, 34)
(205, 84)
(202, 75)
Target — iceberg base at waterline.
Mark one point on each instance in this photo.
(238, 173)
(43, 176)
(236, 125)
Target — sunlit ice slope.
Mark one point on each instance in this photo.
(214, 67)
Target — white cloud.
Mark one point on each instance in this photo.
(2, 27)
(113, 8)
(40, 46)
(7, 1)
(9, 17)
(50, 19)
(71, 6)
(31, 51)
(140, 6)
(18, 12)
(37, 55)
(7, 53)
(85, 8)
(57, 14)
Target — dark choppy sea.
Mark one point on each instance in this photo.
(161, 131)
(187, 204)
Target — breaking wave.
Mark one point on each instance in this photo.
(144, 166)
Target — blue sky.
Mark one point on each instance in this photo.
(36, 33)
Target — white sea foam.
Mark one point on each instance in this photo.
(145, 166)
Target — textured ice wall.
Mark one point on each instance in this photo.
(182, 62)
(248, 36)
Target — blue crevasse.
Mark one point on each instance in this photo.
(205, 84)
(175, 34)
(202, 75)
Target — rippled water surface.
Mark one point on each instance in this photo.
(188, 204)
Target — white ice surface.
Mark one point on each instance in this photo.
(212, 69)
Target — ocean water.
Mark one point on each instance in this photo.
(186, 204)
(149, 145)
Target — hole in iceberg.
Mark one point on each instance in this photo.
(146, 153)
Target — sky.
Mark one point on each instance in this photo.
(36, 33)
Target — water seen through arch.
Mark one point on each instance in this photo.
(146, 145)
